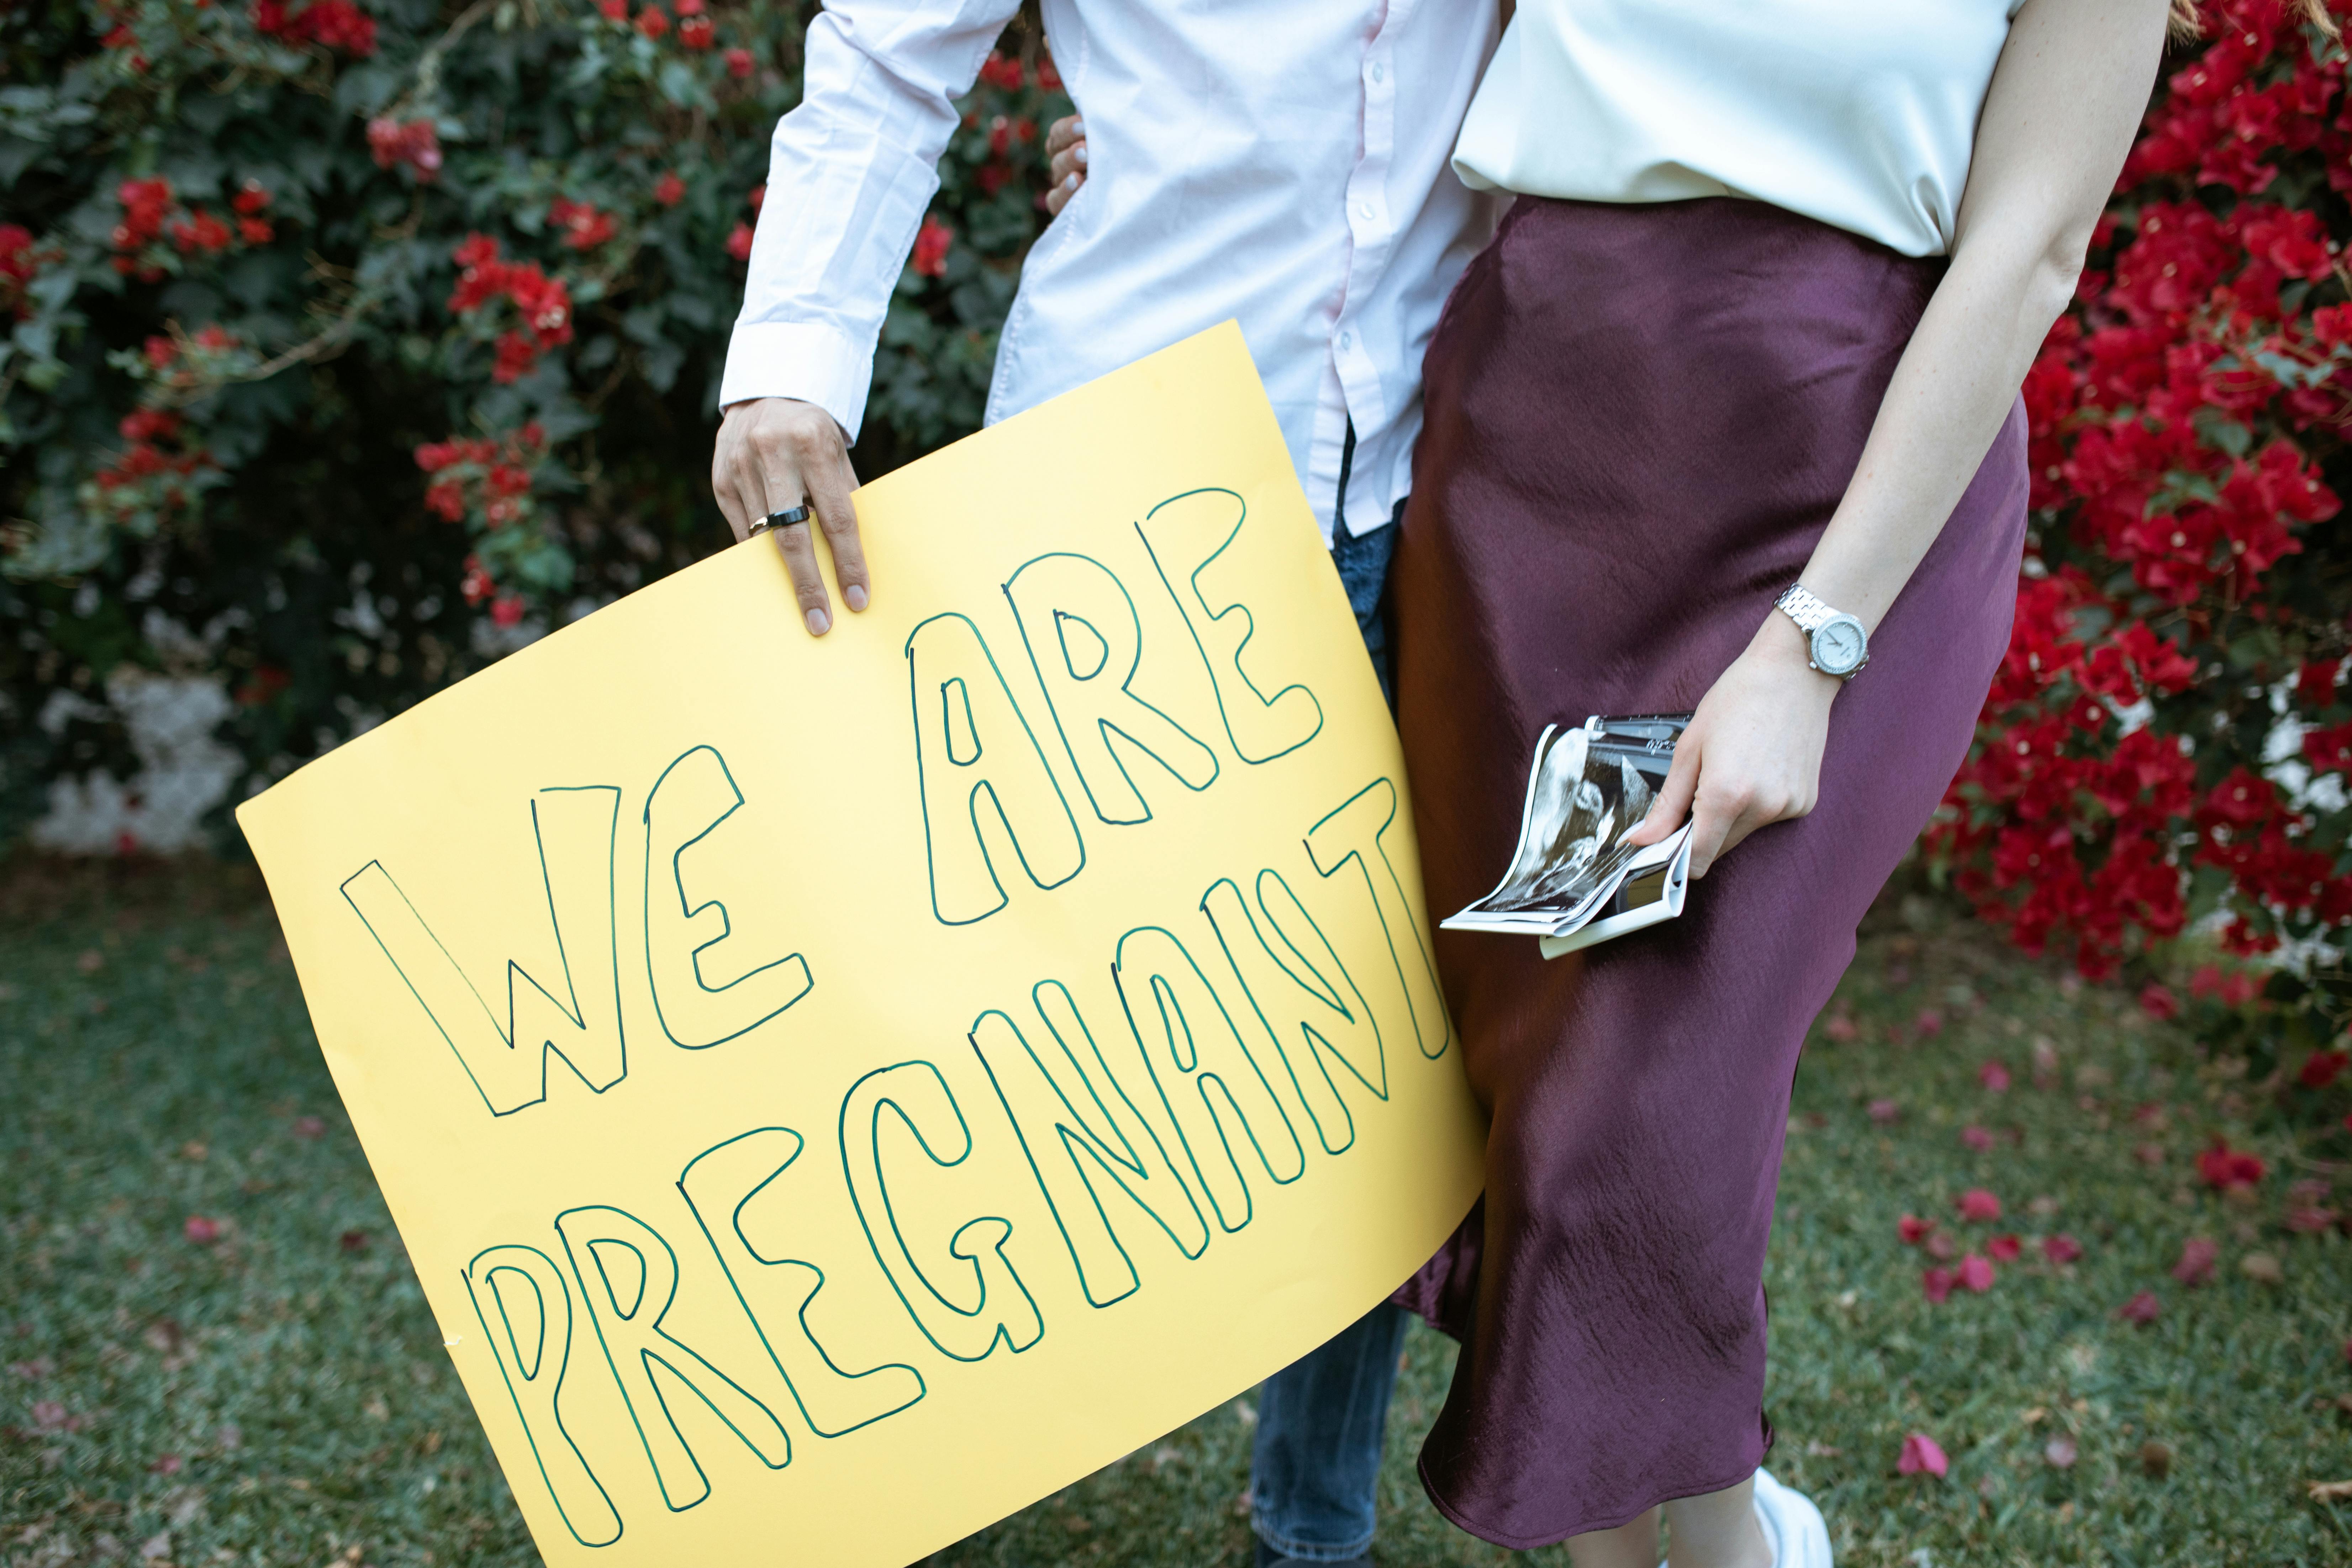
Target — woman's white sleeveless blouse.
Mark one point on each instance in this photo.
(1861, 113)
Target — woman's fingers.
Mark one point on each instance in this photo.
(1674, 796)
(1066, 143)
(1716, 826)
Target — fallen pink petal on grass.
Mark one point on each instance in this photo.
(1976, 1138)
(1884, 1111)
(1976, 1204)
(2197, 1258)
(2061, 1452)
(2004, 1248)
(2143, 1308)
(2223, 1167)
(1974, 1274)
(1928, 1024)
(1841, 1029)
(1941, 1247)
(2061, 1249)
(203, 1232)
(1912, 1229)
(1921, 1452)
(1935, 1284)
(310, 1127)
(1994, 1077)
(2148, 1153)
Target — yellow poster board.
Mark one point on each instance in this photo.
(836, 1092)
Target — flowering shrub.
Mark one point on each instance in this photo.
(2166, 744)
(351, 341)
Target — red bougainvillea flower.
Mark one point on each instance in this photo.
(670, 190)
(1920, 1454)
(506, 610)
(201, 1230)
(1994, 1077)
(413, 144)
(1976, 1138)
(653, 21)
(583, 227)
(2143, 1308)
(1003, 72)
(1973, 1274)
(1976, 1204)
(739, 242)
(697, 31)
(931, 242)
(1912, 1229)
(1935, 1284)
(2004, 1248)
(738, 63)
(2198, 1256)
(613, 10)
(331, 24)
(2233, 990)
(476, 584)
(2224, 1167)
(2062, 1248)
(2321, 1069)
(2159, 1002)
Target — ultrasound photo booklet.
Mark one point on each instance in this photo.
(1573, 881)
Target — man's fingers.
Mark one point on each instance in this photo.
(839, 518)
(731, 505)
(797, 545)
(1064, 132)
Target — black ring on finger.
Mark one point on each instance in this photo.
(785, 519)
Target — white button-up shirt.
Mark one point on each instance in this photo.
(1283, 163)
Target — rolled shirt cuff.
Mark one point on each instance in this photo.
(805, 359)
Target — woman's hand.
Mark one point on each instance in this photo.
(774, 454)
(1753, 755)
(1065, 142)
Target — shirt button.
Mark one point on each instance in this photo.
(1347, 339)
(1364, 209)
(1379, 74)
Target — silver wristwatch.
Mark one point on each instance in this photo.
(1840, 646)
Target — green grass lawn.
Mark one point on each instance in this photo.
(279, 1395)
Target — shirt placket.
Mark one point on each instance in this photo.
(1371, 231)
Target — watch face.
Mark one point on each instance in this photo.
(1838, 645)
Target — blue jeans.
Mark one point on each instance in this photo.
(1314, 1476)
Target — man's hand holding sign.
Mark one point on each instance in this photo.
(821, 1150)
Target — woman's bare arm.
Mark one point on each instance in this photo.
(2068, 93)
(2065, 100)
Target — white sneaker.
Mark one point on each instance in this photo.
(1793, 1527)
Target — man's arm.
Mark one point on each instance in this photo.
(850, 173)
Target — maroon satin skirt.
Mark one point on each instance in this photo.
(1639, 419)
